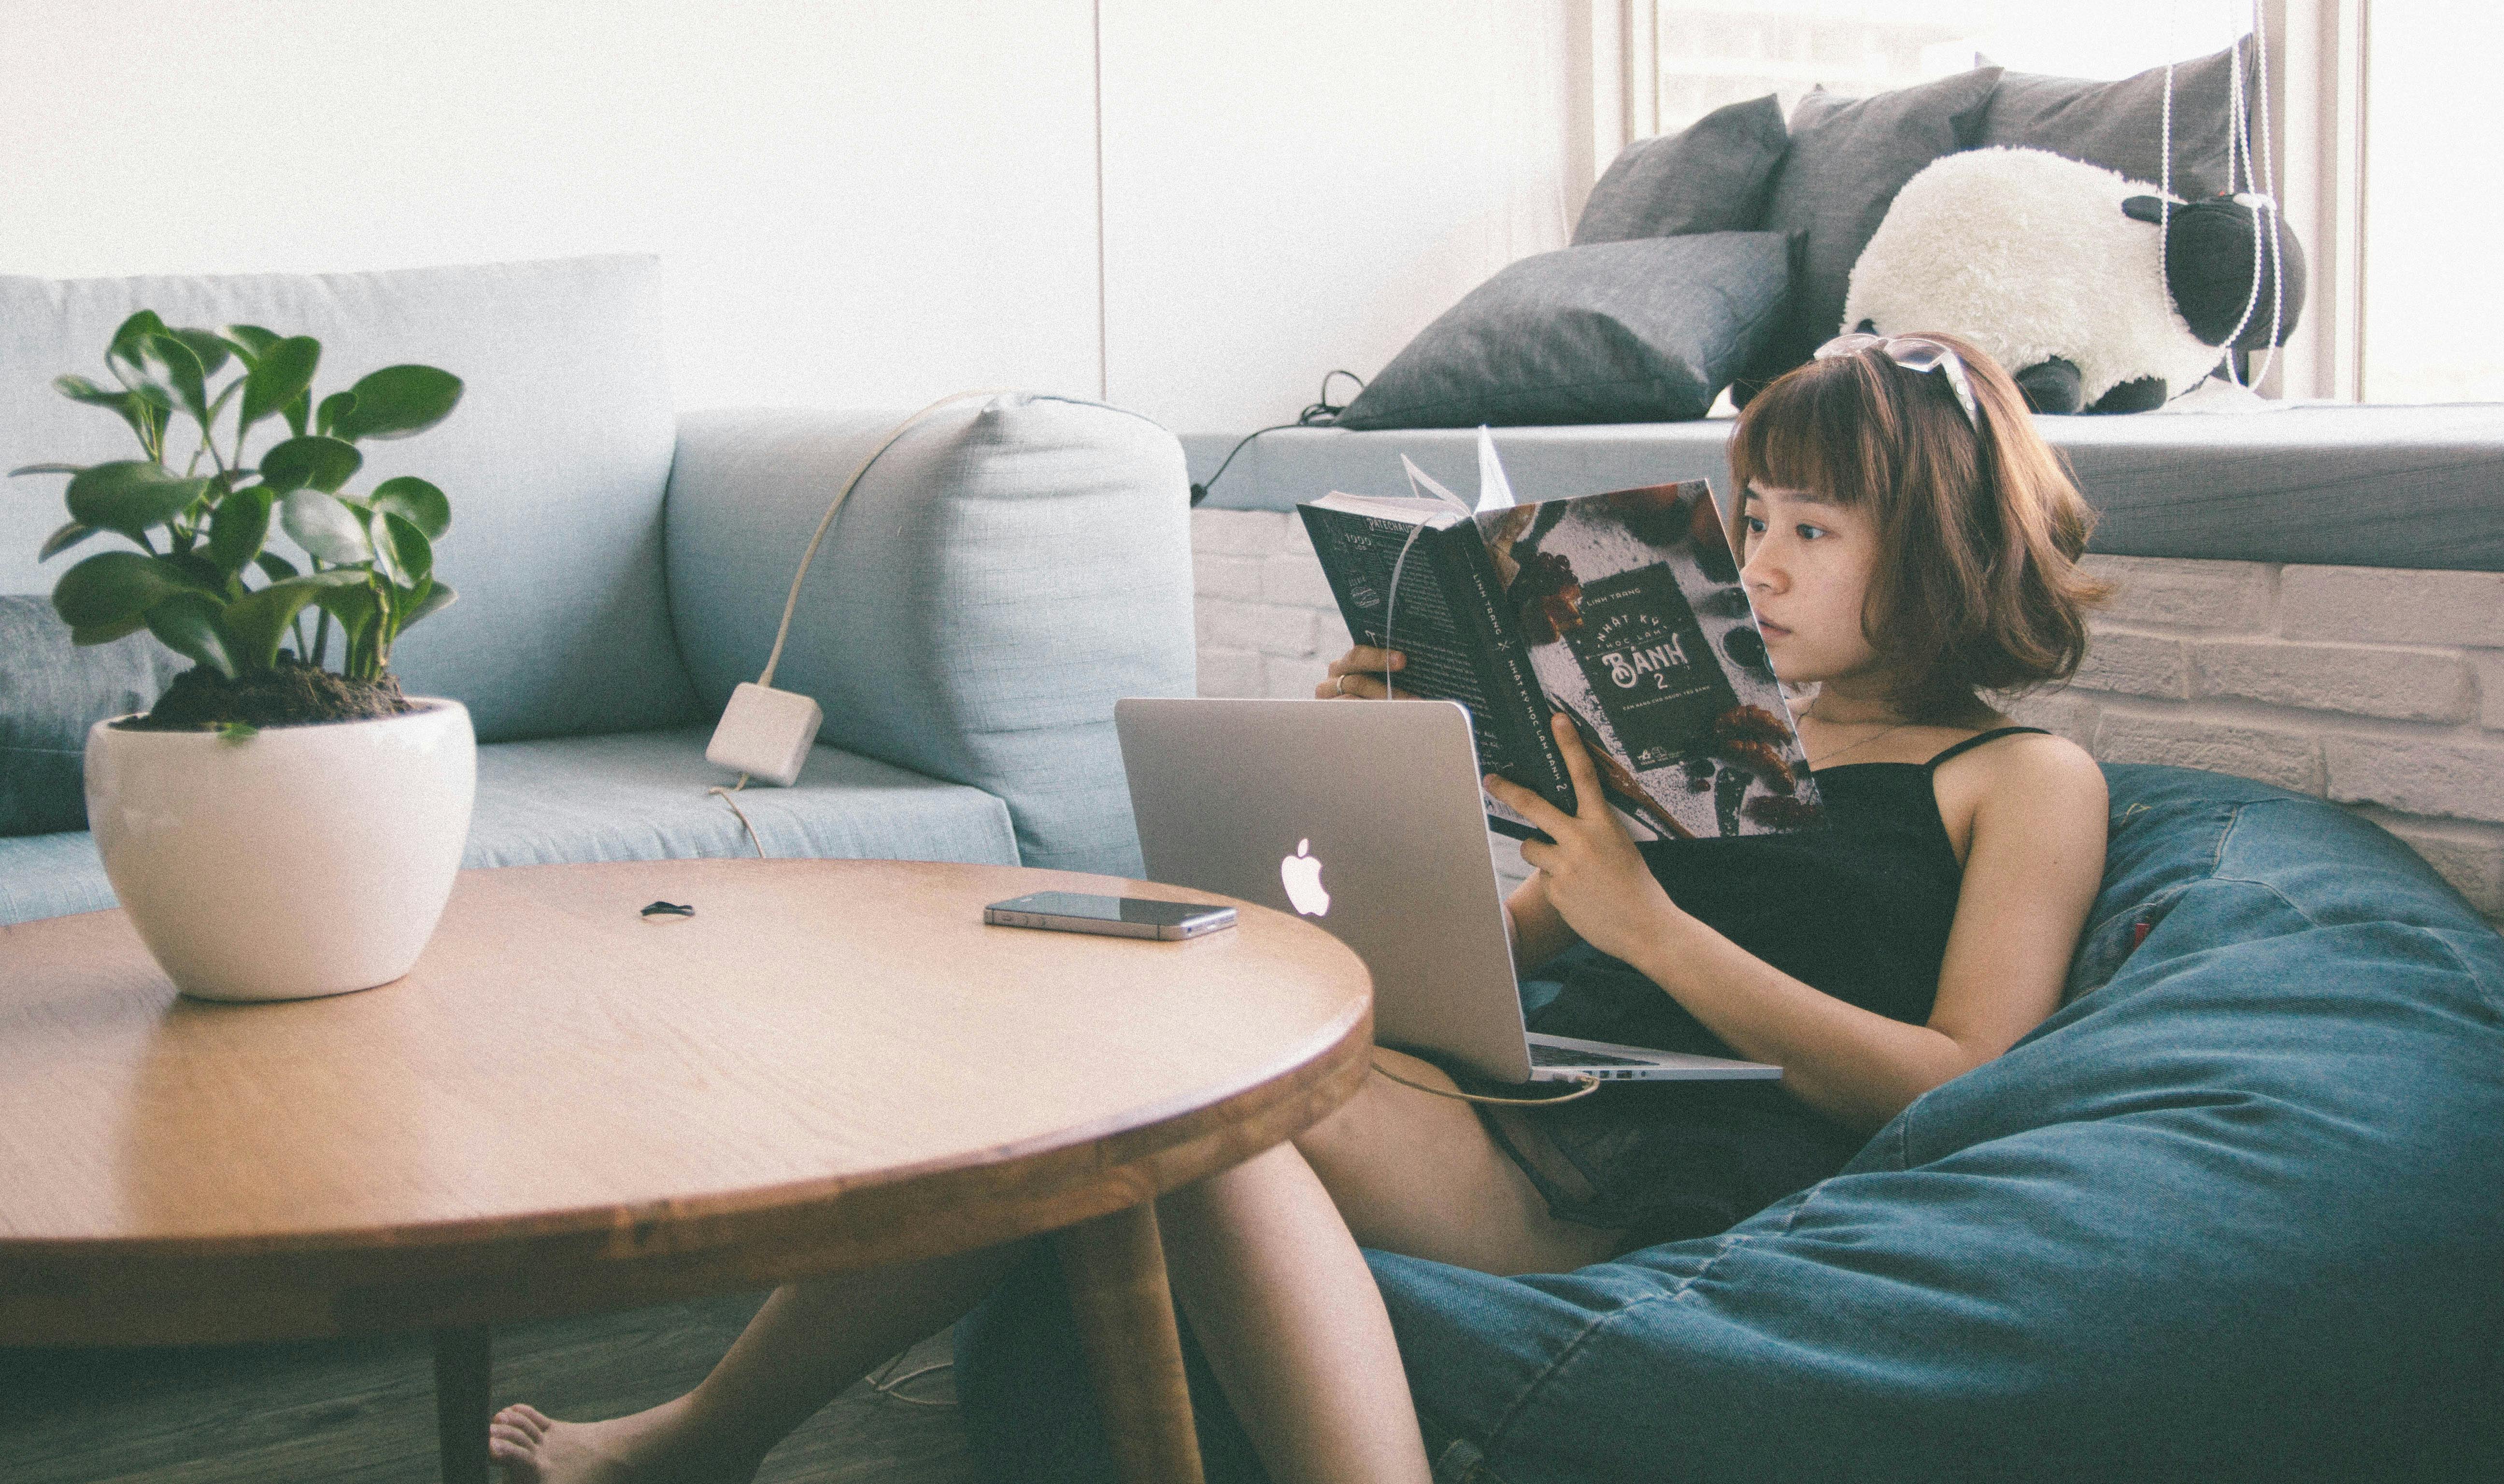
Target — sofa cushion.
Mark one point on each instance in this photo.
(2120, 125)
(1004, 572)
(1709, 177)
(50, 876)
(625, 796)
(1643, 330)
(642, 796)
(52, 691)
(1848, 159)
(555, 460)
(2232, 1215)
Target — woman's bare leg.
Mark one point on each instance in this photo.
(1418, 1174)
(808, 1343)
(1286, 1310)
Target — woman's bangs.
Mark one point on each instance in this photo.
(1789, 433)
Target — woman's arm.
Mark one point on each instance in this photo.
(2031, 869)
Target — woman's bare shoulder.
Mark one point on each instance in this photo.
(2033, 782)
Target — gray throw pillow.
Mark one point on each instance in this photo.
(1709, 177)
(1642, 332)
(1848, 159)
(2121, 125)
(51, 692)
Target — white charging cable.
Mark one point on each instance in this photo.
(792, 720)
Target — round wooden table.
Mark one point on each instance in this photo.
(568, 1107)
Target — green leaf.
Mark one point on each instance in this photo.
(417, 502)
(250, 342)
(351, 605)
(326, 417)
(132, 495)
(178, 366)
(126, 356)
(194, 569)
(238, 528)
(398, 401)
(237, 731)
(46, 468)
(439, 596)
(208, 345)
(61, 541)
(312, 462)
(111, 587)
(188, 624)
(106, 634)
(324, 527)
(274, 566)
(401, 551)
(127, 405)
(280, 377)
(255, 622)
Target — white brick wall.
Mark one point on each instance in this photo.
(2381, 689)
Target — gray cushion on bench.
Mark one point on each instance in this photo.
(628, 796)
(1635, 330)
(2353, 486)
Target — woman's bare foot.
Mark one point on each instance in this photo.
(658, 1446)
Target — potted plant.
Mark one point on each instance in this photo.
(275, 829)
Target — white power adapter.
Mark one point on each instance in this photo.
(766, 732)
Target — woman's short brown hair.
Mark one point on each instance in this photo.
(1977, 585)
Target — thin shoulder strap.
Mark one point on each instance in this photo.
(1979, 739)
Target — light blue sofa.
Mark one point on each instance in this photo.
(1000, 576)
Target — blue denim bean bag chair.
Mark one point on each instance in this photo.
(2235, 1213)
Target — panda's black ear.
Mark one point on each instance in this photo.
(2143, 208)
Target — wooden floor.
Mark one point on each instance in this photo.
(362, 1411)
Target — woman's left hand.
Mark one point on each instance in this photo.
(1596, 879)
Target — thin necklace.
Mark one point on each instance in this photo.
(1862, 742)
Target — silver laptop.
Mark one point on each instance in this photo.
(1367, 818)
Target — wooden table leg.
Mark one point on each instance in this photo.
(462, 1367)
(1116, 1267)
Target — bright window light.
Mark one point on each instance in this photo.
(1718, 51)
(2434, 214)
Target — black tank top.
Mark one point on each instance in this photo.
(1860, 909)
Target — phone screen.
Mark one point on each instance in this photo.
(1075, 904)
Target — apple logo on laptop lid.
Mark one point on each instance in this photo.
(1301, 873)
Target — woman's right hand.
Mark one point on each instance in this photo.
(1357, 676)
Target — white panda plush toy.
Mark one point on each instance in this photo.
(2052, 266)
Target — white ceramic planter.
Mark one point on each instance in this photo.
(296, 862)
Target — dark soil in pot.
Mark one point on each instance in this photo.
(295, 694)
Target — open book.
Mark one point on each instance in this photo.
(1622, 609)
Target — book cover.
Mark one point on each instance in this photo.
(1630, 607)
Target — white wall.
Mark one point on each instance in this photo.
(858, 204)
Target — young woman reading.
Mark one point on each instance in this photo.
(1908, 543)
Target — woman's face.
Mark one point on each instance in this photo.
(1806, 564)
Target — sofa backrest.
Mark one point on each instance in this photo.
(555, 462)
(1002, 575)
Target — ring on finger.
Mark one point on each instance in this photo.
(1338, 686)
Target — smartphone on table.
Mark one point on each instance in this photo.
(1075, 912)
